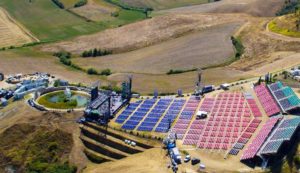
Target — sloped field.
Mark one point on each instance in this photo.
(46, 21)
(10, 33)
(146, 33)
(252, 7)
(163, 4)
(210, 47)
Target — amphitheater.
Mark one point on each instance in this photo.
(254, 123)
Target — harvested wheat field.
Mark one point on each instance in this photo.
(200, 49)
(96, 10)
(147, 32)
(10, 33)
(252, 7)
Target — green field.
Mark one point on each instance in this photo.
(50, 23)
(46, 21)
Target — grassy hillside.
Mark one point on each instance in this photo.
(46, 21)
(32, 149)
(50, 23)
(69, 3)
(286, 25)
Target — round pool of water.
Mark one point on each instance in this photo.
(58, 100)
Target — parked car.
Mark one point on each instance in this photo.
(187, 158)
(195, 161)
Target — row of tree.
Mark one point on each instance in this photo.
(105, 72)
(95, 52)
(65, 58)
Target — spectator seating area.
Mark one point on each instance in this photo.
(229, 116)
(285, 96)
(251, 151)
(151, 114)
(139, 114)
(244, 138)
(154, 115)
(267, 101)
(252, 104)
(170, 116)
(127, 112)
(185, 117)
(284, 132)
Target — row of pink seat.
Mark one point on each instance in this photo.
(258, 141)
(266, 99)
(225, 124)
(254, 108)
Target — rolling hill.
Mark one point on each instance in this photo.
(48, 22)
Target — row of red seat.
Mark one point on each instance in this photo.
(258, 141)
(225, 124)
(266, 99)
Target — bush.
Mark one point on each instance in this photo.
(239, 48)
(297, 160)
(96, 52)
(179, 71)
(185, 152)
(80, 3)
(106, 72)
(58, 3)
(56, 83)
(65, 61)
(63, 54)
(92, 71)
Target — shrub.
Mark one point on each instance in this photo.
(65, 61)
(58, 3)
(63, 54)
(239, 48)
(185, 152)
(106, 72)
(92, 71)
(80, 3)
(95, 52)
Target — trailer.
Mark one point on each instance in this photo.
(208, 88)
(175, 155)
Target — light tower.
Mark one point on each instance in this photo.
(199, 81)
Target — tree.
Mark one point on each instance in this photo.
(92, 71)
(106, 72)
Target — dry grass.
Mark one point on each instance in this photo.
(285, 25)
(252, 7)
(96, 10)
(163, 4)
(27, 61)
(147, 32)
(263, 49)
(209, 47)
(10, 33)
(146, 83)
